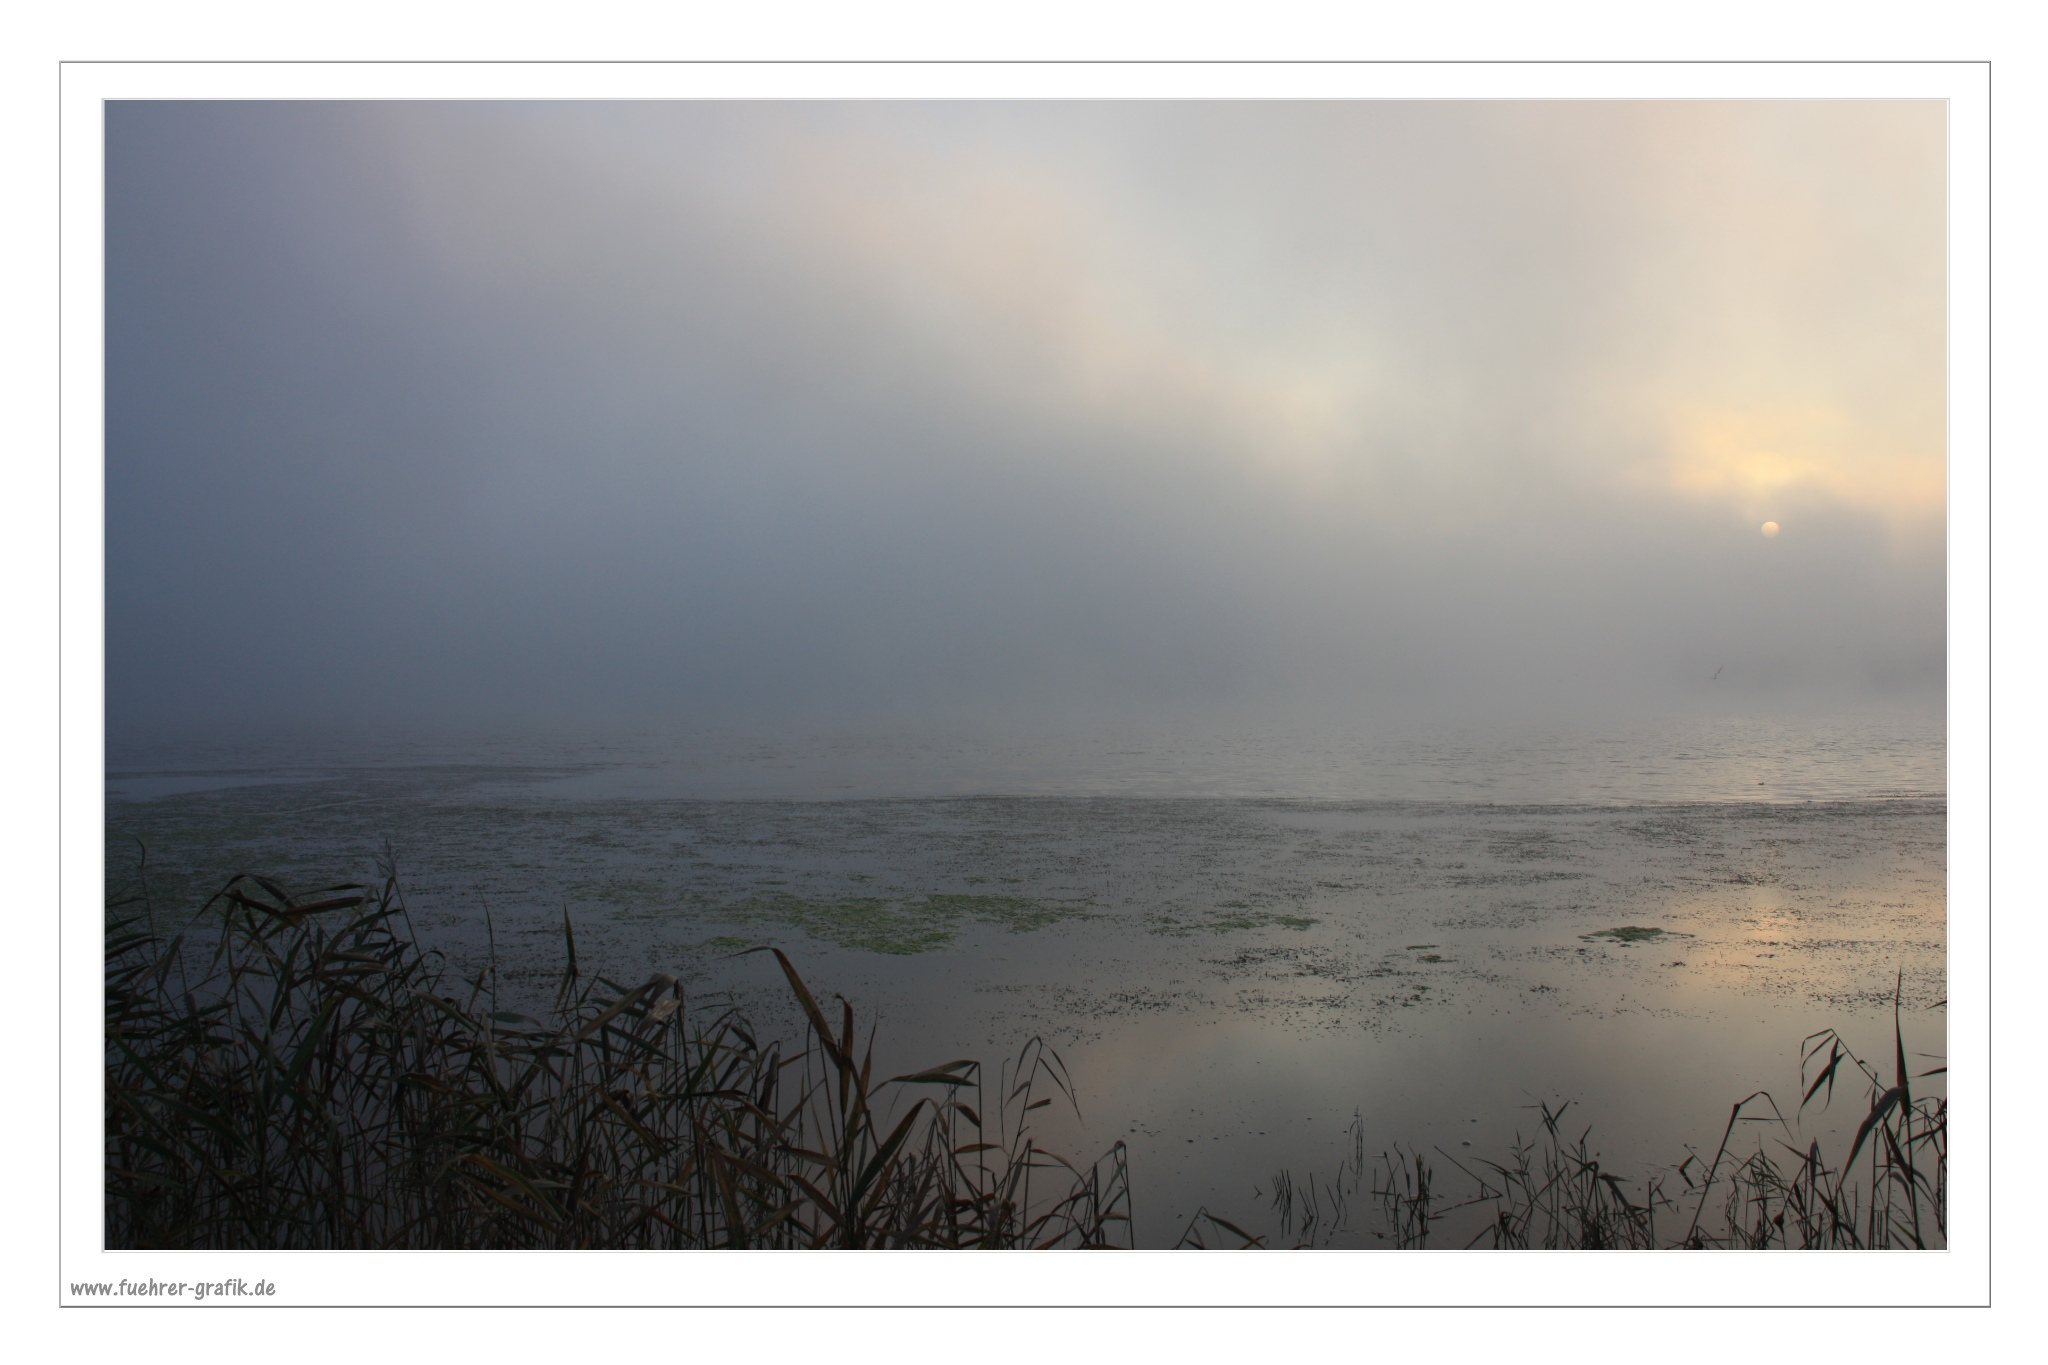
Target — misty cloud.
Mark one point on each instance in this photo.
(439, 412)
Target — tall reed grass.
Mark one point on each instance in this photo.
(298, 1073)
(1888, 1190)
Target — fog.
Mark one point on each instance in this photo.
(758, 414)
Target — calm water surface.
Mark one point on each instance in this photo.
(1690, 758)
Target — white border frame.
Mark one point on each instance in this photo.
(1959, 1276)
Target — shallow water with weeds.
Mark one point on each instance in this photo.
(1229, 980)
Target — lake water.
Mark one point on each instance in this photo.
(1867, 755)
(1241, 946)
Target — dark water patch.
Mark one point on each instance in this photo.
(1633, 933)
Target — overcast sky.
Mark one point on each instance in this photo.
(747, 413)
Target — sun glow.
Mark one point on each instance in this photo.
(1754, 459)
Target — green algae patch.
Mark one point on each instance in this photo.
(1632, 933)
(866, 923)
(1013, 913)
(627, 898)
(726, 943)
(899, 927)
(1234, 920)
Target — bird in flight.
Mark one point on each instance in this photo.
(1717, 674)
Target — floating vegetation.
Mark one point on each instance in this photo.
(1012, 913)
(1633, 933)
(875, 924)
(1235, 920)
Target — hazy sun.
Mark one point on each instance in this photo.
(1770, 528)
